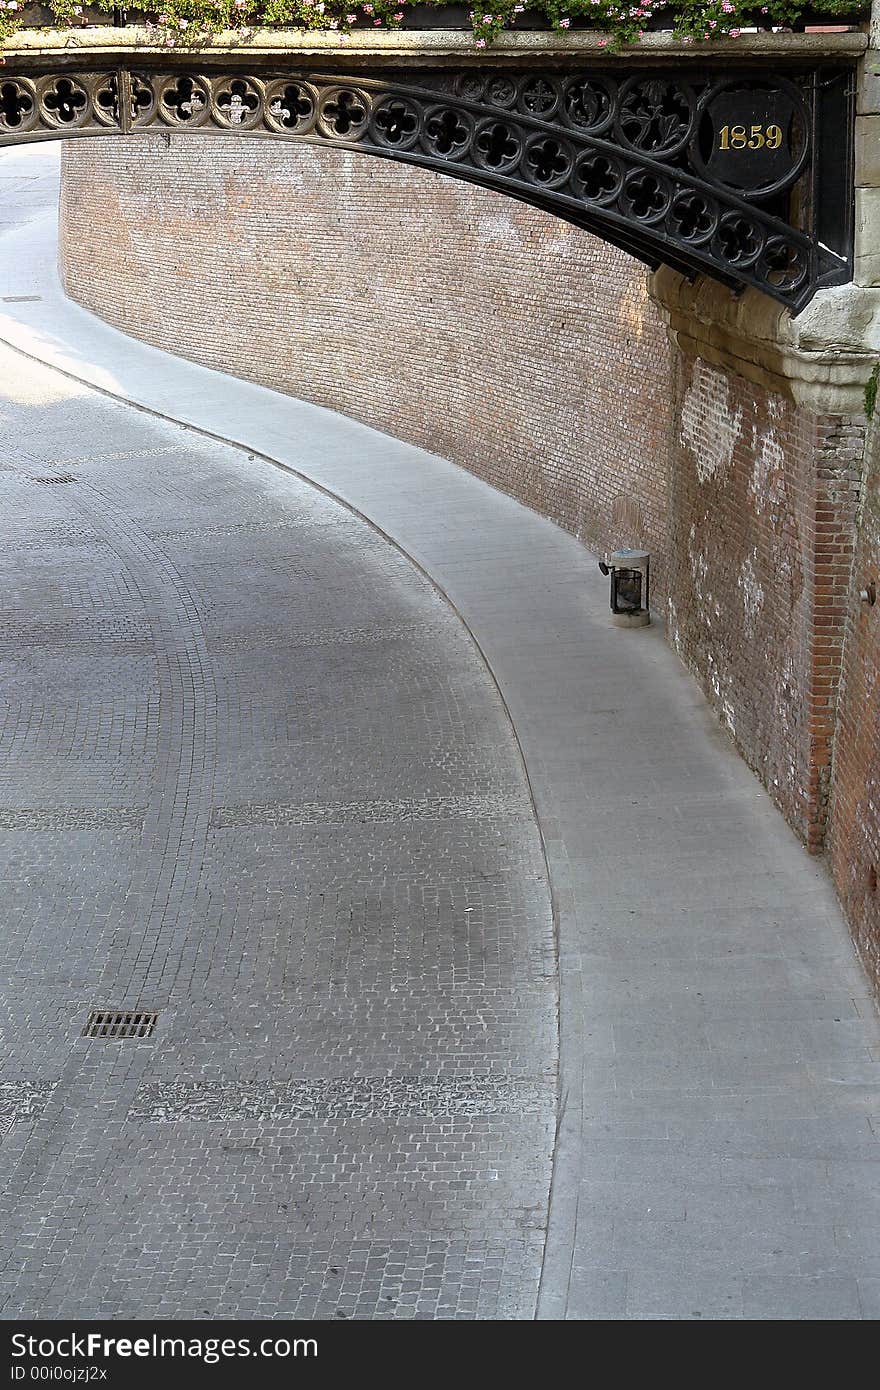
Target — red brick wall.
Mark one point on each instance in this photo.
(854, 837)
(763, 497)
(451, 317)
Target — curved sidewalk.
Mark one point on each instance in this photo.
(718, 1149)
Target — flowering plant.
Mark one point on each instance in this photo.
(188, 23)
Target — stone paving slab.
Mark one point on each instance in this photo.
(719, 1145)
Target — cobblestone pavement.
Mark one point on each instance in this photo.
(254, 777)
(718, 1151)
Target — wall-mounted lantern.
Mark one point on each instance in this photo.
(630, 586)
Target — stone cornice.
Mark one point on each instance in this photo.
(822, 359)
(435, 45)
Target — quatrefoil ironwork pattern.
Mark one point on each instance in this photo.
(237, 103)
(497, 146)
(64, 102)
(632, 156)
(395, 123)
(184, 101)
(19, 109)
(598, 177)
(447, 132)
(291, 107)
(344, 113)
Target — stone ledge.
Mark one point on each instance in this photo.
(433, 44)
(821, 359)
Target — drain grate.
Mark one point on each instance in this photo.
(21, 298)
(58, 478)
(112, 1023)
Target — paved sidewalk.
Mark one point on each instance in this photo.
(718, 1153)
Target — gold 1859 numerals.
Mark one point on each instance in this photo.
(756, 137)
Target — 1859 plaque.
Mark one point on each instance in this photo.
(751, 137)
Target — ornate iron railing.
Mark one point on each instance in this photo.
(742, 175)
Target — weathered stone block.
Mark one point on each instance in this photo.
(867, 234)
(868, 151)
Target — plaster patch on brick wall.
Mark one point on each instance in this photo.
(702, 602)
(786, 703)
(709, 427)
(287, 179)
(673, 627)
(495, 230)
(631, 314)
(721, 686)
(767, 481)
(752, 593)
(743, 562)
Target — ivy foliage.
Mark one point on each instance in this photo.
(189, 23)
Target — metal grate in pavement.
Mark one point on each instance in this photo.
(110, 1023)
(58, 478)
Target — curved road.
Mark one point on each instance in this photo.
(254, 777)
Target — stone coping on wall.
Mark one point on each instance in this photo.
(821, 359)
(433, 45)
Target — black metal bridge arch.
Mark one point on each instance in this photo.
(742, 173)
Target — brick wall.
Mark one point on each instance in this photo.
(528, 352)
(763, 497)
(454, 318)
(854, 836)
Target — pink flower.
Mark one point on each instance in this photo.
(351, 18)
(480, 43)
(377, 21)
(735, 33)
(367, 9)
(398, 16)
(603, 43)
(564, 23)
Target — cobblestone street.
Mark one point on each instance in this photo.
(263, 781)
(257, 779)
